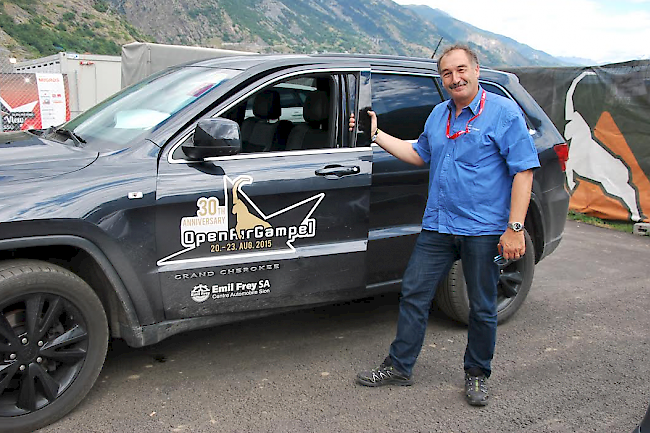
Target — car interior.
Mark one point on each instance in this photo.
(291, 115)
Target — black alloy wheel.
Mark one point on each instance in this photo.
(53, 339)
(515, 281)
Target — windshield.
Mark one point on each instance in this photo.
(144, 106)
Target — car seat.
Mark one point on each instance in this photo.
(260, 132)
(314, 133)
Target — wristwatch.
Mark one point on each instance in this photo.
(374, 136)
(516, 227)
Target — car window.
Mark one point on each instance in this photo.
(493, 89)
(294, 114)
(144, 106)
(403, 103)
(292, 99)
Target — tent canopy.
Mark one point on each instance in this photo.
(141, 59)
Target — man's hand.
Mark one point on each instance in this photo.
(512, 245)
(398, 148)
(373, 122)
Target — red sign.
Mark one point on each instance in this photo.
(20, 102)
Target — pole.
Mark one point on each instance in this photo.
(434, 51)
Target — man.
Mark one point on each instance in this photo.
(481, 158)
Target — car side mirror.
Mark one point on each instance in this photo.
(214, 137)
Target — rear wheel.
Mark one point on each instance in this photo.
(53, 340)
(514, 284)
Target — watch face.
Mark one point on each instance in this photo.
(516, 226)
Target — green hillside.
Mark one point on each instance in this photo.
(37, 28)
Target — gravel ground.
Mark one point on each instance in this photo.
(573, 359)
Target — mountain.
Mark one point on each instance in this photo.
(493, 49)
(34, 28)
(302, 26)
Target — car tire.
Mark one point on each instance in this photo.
(53, 341)
(451, 294)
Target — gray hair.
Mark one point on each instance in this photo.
(470, 53)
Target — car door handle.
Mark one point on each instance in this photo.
(338, 170)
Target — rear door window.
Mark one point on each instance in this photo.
(403, 103)
(494, 89)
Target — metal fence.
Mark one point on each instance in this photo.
(51, 90)
(32, 99)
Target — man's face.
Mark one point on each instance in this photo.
(459, 76)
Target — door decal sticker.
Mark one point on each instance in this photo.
(239, 228)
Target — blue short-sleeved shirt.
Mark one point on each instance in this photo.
(470, 178)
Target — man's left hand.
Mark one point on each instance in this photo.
(512, 245)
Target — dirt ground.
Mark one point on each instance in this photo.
(575, 358)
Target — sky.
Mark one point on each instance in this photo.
(604, 31)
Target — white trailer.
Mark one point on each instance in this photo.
(91, 77)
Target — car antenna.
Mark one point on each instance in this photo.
(434, 51)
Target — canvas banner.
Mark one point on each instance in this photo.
(603, 113)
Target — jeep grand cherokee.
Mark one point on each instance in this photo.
(193, 199)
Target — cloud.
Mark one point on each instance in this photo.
(603, 31)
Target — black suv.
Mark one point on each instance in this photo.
(218, 191)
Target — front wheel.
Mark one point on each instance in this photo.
(515, 281)
(53, 340)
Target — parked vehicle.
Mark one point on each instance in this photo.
(170, 207)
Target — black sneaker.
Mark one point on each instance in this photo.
(385, 374)
(476, 390)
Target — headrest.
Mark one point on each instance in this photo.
(267, 105)
(316, 107)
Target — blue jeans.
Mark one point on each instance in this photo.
(432, 258)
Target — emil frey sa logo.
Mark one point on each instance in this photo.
(240, 228)
(202, 292)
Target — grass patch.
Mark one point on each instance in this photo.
(100, 6)
(621, 226)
